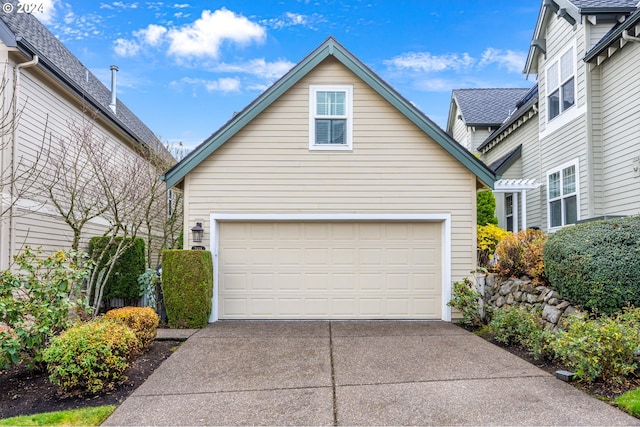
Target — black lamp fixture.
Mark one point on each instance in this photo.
(197, 231)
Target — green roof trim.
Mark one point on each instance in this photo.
(329, 47)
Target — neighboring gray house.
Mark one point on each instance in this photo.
(475, 113)
(570, 151)
(45, 88)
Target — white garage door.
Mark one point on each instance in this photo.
(318, 270)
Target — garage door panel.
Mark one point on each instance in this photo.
(329, 270)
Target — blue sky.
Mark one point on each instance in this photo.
(187, 66)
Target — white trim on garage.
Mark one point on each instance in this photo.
(444, 218)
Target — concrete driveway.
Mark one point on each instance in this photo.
(353, 373)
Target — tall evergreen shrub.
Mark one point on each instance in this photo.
(486, 208)
(123, 280)
(187, 286)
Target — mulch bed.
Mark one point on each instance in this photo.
(24, 393)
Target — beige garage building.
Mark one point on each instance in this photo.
(332, 197)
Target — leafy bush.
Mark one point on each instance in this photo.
(486, 208)
(602, 348)
(143, 321)
(91, 357)
(123, 280)
(519, 326)
(596, 264)
(187, 286)
(521, 254)
(488, 238)
(37, 300)
(466, 299)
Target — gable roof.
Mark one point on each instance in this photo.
(487, 107)
(330, 47)
(572, 11)
(26, 33)
(524, 105)
(614, 35)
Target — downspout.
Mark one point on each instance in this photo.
(14, 147)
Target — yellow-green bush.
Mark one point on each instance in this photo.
(521, 254)
(187, 286)
(91, 357)
(488, 238)
(143, 321)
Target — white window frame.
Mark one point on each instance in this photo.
(560, 169)
(508, 215)
(348, 90)
(561, 82)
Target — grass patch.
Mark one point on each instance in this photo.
(74, 417)
(630, 402)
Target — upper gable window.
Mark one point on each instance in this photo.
(561, 84)
(331, 112)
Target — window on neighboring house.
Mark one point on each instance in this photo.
(561, 88)
(508, 202)
(563, 195)
(330, 117)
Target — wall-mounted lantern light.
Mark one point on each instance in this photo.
(197, 231)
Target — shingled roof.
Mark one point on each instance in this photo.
(604, 4)
(30, 36)
(487, 107)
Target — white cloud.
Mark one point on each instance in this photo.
(180, 5)
(204, 36)
(45, 10)
(124, 47)
(426, 62)
(291, 19)
(152, 35)
(513, 61)
(258, 67)
(224, 84)
(118, 5)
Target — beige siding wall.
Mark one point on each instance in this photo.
(528, 167)
(46, 112)
(620, 130)
(394, 167)
(564, 139)
(460, 131)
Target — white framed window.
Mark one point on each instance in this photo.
(561, 83)
(508, 210)
(563, 195)
(330, 117)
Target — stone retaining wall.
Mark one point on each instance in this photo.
(524, 293)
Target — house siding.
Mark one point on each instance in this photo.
(528, 167)
(394, 167)
(460, 131)
(46, 111)
(620, 130)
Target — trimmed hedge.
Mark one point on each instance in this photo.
(187, 286)
(596, 264)
(123, 281)
(486, 207)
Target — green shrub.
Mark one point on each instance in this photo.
(123, 280)
(143, 321)
(465, 298)
(486, 208)
(596, 264)
(519, 326)
(521, 254)
(187, 286)
(91, 357)
(37, 301)
(601, 348)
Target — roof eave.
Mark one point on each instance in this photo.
(329, 48)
